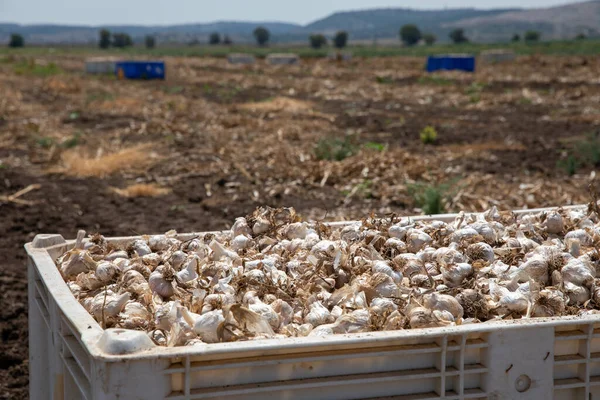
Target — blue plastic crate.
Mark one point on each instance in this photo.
(451, 62)
(140, 69)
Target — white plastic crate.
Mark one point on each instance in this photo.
(282, 59)
(100, 65)
(241, 58)
(497, 56)
(71, 357)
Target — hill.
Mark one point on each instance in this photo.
(554, 22)
(385, 23)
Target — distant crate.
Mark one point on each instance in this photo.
(461, 62)
(100, 65)
(283, 59)
(497, 56)
(140, 70)
(240, 58)
(340, 56)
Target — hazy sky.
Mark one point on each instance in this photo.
(163, 12)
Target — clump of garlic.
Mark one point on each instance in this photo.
(273, 275)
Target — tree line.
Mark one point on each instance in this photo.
(410, 35)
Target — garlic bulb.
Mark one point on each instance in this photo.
(106, 271)
(261, 225)
(454, 275)
(554, 223)
(135, 316)
(207, 325)
(443, 302)
(384, 267)
(580, 234)
(578, 271)
(107, 304)
(188, 272)
(265, 310)
(160, 282)
(75, 262)
(158, 243)
(240, 242)
(416, 240)
(318, 315)
(284, 310)
(481, 251)
(356, 321)
(141, 248)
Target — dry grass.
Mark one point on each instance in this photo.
(142, 190)
(278, 104)
(77, 164)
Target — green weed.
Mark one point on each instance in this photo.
(32, 68)
(44, 142)
(429, 197)
(384, 80)
(375, 146)
(71, 142)
(428, 135)
(334, 149)
(570, 165)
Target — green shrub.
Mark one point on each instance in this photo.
(335, 149)
(428, 135)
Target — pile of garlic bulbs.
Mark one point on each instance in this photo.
(274, 276)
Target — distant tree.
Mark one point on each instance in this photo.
(516, 38)
(262, 35)
(121, 40)
(16, 40)
(532, 36)
(458, 36)
(104, 42)
(214, 38)
(410, 34)
(317, 41)
(150, 42)
(580, 36)
(429, 38)
(340, 40)
(227, 40)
